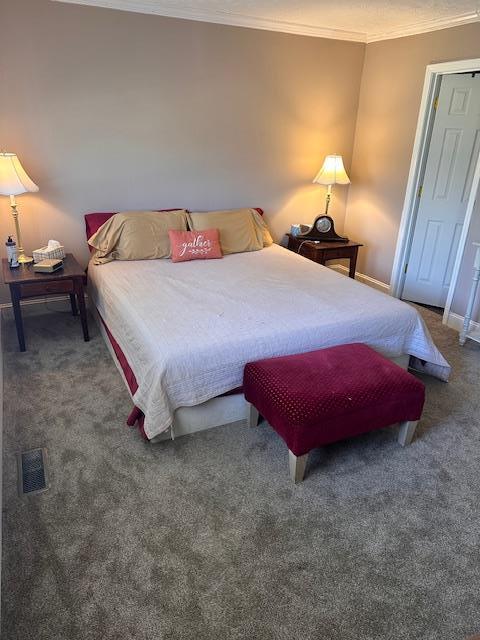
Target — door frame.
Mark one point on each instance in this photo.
(421, 146)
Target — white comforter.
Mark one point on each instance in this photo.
(187, 329)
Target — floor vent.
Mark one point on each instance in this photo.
(32, 474)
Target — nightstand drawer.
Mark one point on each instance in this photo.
(332, 254)
(44, 288)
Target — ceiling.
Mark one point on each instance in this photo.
(358, 20)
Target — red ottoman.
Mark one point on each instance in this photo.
(315, 398)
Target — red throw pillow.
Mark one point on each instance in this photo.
(195, 245)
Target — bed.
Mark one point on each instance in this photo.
(182, 332)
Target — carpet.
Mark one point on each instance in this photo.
(205, 537)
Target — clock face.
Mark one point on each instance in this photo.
(323, 225)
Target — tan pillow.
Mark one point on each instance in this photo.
(136, 235)
(240, 229)
(260, 220)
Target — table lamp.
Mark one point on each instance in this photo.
(332, 172)
(14, 181)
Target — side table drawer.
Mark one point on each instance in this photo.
(333, 254)
(43, 288)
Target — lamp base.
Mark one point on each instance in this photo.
(25, 259)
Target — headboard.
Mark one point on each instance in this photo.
(93, 221)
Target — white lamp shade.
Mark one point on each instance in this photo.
(13, 178)
(332, 172)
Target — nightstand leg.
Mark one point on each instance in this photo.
(83, 309)
(353, 264)
(17, 312)
(73, 304)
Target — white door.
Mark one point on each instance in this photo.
(451, 161)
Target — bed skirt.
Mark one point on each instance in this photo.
(136, 416)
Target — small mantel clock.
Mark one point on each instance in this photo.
(323, 229)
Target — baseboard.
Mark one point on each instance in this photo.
(8, 305)
(455, 321)
(361, 277)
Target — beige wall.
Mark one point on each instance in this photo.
(392, 83)
(110, 110)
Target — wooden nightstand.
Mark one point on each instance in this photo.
(321, 252)
(25, 283)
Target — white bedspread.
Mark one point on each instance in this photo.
(187, 329)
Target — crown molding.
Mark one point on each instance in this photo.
(224, 17)
(425, 27)
(269, 24)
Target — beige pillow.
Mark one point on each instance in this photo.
(260, 220)
(240, 229)
(136, 235)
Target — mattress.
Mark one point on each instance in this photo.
(188, 329)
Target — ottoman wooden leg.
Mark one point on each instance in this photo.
(252, 418)
(407, 431)
(297, 466)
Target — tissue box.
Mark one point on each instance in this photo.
(44, 253)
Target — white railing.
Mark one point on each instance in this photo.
(465, 332)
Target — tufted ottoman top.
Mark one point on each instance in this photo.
(315, 398)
